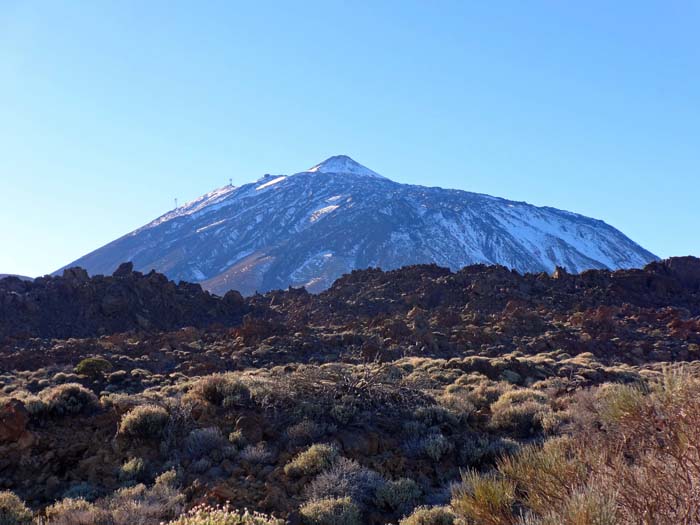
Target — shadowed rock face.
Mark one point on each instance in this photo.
(75, 305)
(22, 277)
(310, 228)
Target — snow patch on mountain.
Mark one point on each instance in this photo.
(317, 214)
(270, 183)
(343, 164)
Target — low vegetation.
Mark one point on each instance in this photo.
(417, 397)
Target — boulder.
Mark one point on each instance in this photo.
(13, 422)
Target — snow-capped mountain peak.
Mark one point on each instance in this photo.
(310, 228)
(343, 164)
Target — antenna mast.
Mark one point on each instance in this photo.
(175, 202)
(230, 182)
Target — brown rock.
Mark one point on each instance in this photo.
(275, 498)
(359, 443)
(13, 422)
(222, 493)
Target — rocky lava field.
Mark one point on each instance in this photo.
(417, 396)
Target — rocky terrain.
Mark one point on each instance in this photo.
(75, 305)
(23, 277)
(420, 396)
(309, 228)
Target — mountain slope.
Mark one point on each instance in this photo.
(309, 228)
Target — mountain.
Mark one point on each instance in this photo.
(309, 228)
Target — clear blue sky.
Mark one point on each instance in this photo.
(109, 110)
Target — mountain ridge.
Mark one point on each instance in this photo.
(307, 230)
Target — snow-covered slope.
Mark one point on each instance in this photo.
(309, 228)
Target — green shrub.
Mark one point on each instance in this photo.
(312, 461)
(69, 399)
(484, 499)
(430, 516)
(331, 511)
(583, 507)
(618, 402)
(545, 475)
(398, 496)
(132, 470)
(519, 412)
(237, 439)
(12, 510)
(93, 367)
(520, 395)
(144, 422)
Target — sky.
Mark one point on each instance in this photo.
(110, 110)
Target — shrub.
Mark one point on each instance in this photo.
(93, 367)
(545, 475)
(434, 415)
(345, 410)
(69, 399)
(132, 470)
(75, 512)
(484, 499)
(398, 496)
(204, 515)
(648, 452)
(583, 507)
(430, 516)
(12, 510)
(81, 490)
(521, 395)
(222, 390)
(201, 441)
(519, 412)
(345, 478)
(331, 511)
(35, 406)
(259, 453)
(312, 461)
(61, 377)
(237, 439)
(459, 405)
(140, 505)
(144, 422)
(435, 446)
(619, 402)
(477, 450)
(484, 392)
(306, 431)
